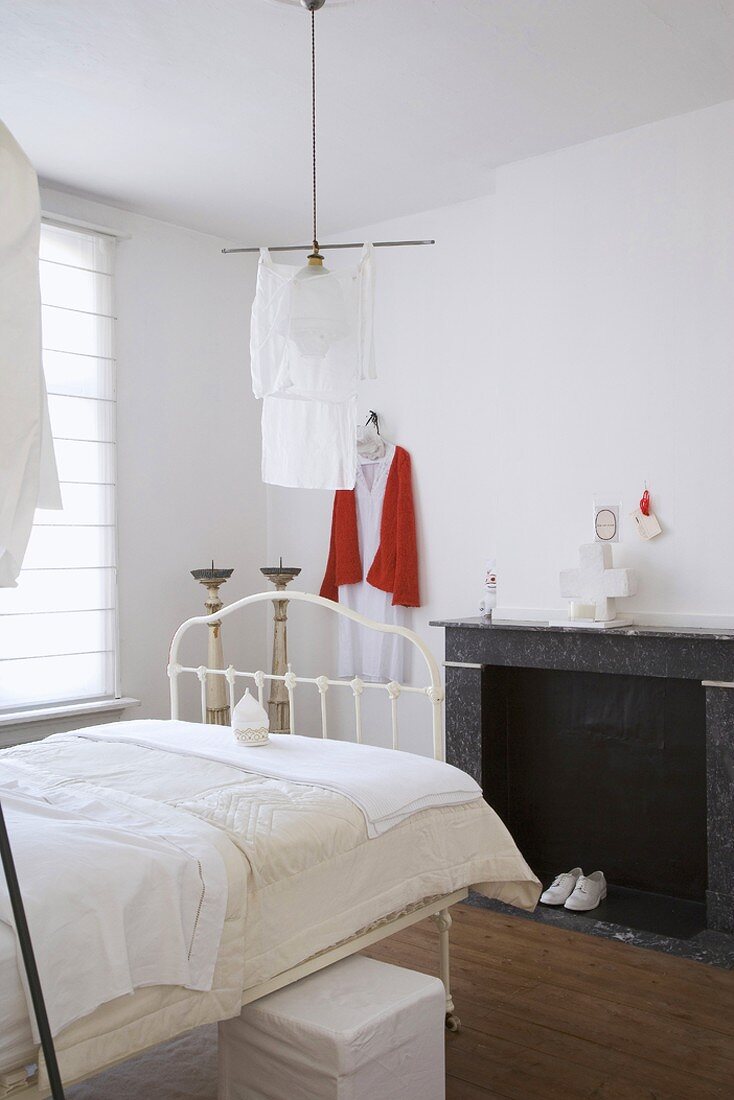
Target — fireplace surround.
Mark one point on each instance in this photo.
(612, 750)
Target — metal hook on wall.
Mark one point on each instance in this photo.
(373, 418)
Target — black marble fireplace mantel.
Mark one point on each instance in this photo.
(649, 651)
(476, 649)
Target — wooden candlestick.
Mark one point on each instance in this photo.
(278, 707)
(217, 703)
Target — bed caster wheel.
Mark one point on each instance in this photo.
(453, 1023)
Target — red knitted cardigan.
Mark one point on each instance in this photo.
(395, 568)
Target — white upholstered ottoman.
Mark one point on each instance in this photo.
(359, 1030)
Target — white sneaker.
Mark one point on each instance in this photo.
(562, 887)
(590, 890)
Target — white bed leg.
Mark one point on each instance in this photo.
(443, 922)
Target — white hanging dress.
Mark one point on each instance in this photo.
(28, 477)
(310, 346)
(362, 652)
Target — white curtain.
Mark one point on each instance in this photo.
(58, 631)
(27, 468)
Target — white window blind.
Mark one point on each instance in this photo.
(58, 628)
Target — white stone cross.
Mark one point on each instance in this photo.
(596, 581)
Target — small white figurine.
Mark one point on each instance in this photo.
(488, 601)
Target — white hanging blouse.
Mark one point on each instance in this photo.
(27, 466)
(310, 346)
(363, 652)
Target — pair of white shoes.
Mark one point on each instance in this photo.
(575, 890)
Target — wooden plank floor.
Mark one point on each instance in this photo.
(553, 1014)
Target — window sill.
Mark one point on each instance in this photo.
(67, 710)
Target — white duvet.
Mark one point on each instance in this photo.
(302, 872)
(386, 787)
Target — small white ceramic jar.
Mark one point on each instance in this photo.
(250, 722)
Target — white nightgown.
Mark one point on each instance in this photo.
(310, 345)
(27, 466)
(362, 652)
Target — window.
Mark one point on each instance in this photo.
(58, 628)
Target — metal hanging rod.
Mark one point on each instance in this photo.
(315, 258)
(328, 247)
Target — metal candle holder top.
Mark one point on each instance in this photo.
(211, 576)
(280, 575)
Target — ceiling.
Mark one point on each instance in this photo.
(196, 111)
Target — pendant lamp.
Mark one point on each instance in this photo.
(317, 313)
(315, 264)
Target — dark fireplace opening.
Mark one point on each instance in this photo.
(606, 772)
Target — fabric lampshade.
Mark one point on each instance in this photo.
(250, 722)
(317, 312)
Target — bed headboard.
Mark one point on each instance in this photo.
(434, 691)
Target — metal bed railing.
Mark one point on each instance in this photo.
(434, 692)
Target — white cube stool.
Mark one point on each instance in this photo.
(358, 1030)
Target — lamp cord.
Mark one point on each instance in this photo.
(313, 123)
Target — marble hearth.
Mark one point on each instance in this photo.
(613, 750)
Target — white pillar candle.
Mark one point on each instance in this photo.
(581, 610)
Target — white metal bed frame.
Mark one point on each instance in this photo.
(436, 908)
(434, 691)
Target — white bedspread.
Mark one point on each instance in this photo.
(387, 786)
(119, 892)
(302, 872)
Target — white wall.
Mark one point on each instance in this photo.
(614, 283)
(571, 333)
(188, 439)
